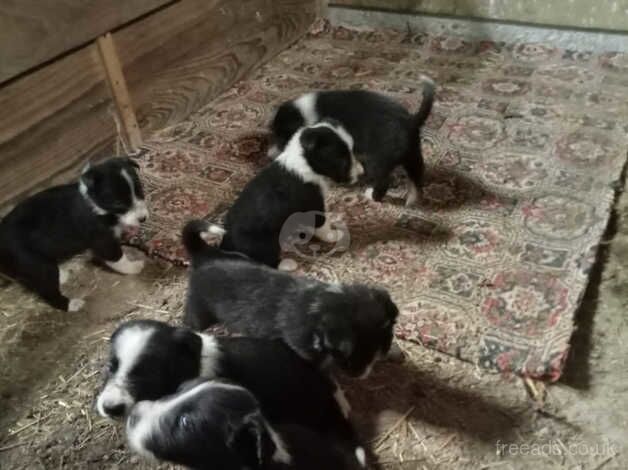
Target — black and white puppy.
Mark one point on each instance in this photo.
(63, 221)
(385, 134)
(150, 359)
(218, 425)
(349, 326)
(296, 181)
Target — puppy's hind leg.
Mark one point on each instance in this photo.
(413, 164)
(42, 276)
(197, 315)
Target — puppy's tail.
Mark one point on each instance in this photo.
(425, 109)
(193, 235)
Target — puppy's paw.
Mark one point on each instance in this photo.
(64, 275)
(287, 265)
(368, 193)
(361, 456)
(273, 152)
(126, 266)
(75, 305)
(412, 196)
(330, 236)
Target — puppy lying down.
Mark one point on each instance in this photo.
(348, 326)
(151, 359)
(218, 425)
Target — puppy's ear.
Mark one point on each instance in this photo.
(131, 162)
(252, 442)
(187, 343)
(89, 178)
(309, 139)
(331, 121)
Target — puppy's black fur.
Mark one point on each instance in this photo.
(294, 182)
(58, 223)
(349, 325)
(151, 359)
(215, 425)
(385, 134)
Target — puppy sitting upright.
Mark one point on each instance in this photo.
(349, 326)
(386, 135)
(295, 182)
(61, 222)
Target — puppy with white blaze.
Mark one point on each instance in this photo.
(385, 134)
(349, 326)
(63, 221)
(219, 425)
(296, 181)
(151, 359)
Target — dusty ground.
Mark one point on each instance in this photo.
(430, 411)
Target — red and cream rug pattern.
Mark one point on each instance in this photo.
(524, 150)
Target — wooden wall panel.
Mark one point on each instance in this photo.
(179, 58)
(52, 120)
(174, 60)
(34, 31)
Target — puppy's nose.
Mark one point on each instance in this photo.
(141, 219)
(114, 410)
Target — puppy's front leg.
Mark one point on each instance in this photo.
(326, 233)
(110, 251)
(126, 266)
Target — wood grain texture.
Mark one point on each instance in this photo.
(52, 120)
(120, 93)
(181, 57)
(174, 61)
(34, 31)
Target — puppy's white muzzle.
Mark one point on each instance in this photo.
(114, 401)
(136, 216)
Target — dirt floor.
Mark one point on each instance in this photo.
(429, 411)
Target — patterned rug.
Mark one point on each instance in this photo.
(523, 151)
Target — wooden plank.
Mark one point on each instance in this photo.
(52, 120)
(32, 31)
(174, 60)
(120, 93)
(181, 57)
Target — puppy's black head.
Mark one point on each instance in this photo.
(148, 360)
(287, 121)
(356, 327)
(328, 150)
(113, 187)
(204, 423)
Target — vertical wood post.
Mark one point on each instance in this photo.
(120, 92)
